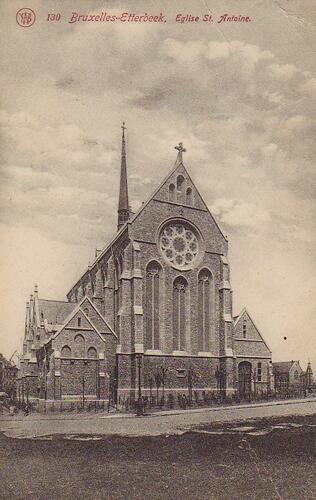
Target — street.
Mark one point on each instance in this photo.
(173, 422)
(260, 452)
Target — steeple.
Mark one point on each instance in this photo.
(123, 207)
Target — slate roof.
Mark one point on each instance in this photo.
(282, 366)
(55, 311)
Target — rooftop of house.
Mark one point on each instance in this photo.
(283, 366)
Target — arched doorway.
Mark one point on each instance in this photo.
(244, 379)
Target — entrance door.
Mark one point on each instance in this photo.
(244, 379)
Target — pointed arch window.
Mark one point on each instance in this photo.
(189, 196)
(172, 192)
(206, 311)
(180, 289)
(92, 353)
(116, 298)
(153, 277)
(121, 264)
(66, 352)
(180, 187)
(79, 346)
(103, 274)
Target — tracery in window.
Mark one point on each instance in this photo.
(206, 308)
(153, 276)
(180, 287)
(179, 244)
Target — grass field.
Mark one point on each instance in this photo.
(261, 459)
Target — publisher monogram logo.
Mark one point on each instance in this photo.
(25, 17)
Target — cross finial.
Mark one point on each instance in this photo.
(181, 150)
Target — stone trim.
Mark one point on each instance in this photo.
(138, 310)
(175, 389)
(72, 358)
(249, 340)
(179, 204)
(136, 273)
(182, 354)
(153, 352)
(126, 275)
(229, 353)
(253, 357)
(227, 318)
(139, 348)
(224, 285)
(205, 354)
(80, 328)
(136, 246)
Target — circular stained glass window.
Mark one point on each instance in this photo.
(179, 244)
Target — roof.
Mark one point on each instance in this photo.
(78, 308)
(101, 254)
(55, 311)
(283, 366)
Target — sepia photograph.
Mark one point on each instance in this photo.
(158, 249)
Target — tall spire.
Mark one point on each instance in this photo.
(123, 207)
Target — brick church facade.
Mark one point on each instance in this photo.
(152, 315)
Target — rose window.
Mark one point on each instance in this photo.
(179, 244)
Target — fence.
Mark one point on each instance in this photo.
(157, 402)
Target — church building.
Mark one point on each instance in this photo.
(152, 315)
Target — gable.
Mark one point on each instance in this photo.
(295, 367)
(252, 332)
(79, 320)
(246, 330)
(82, 318)
(96, 317)
(178, 187)
(161, 207)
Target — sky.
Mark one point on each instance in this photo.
(241, 97)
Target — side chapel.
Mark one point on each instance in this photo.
(153, 312)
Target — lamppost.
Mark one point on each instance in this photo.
(190, 384)
(220, 375)
(139, 408)
(217, 376)
(163, 370)
(83, 383)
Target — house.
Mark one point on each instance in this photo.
(287, 375)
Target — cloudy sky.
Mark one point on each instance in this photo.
(240, 96)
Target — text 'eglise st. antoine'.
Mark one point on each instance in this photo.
(139, 18)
